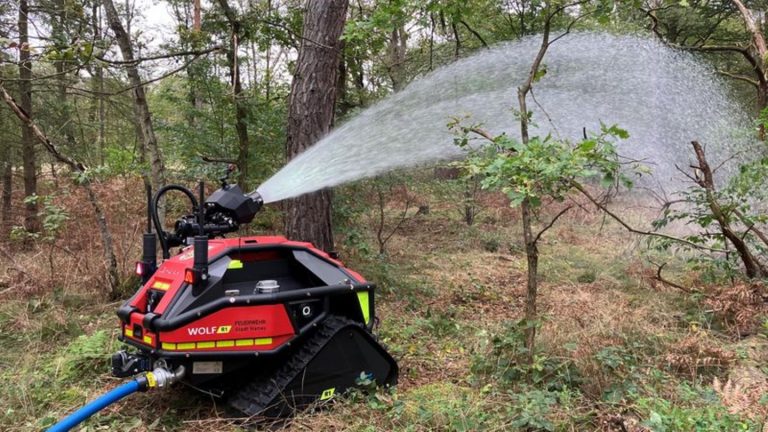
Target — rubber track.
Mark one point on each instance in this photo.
(264, 395)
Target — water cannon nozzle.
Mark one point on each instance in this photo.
(257, 199)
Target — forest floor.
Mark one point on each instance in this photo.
(617, 350)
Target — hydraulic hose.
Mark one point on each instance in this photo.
(97, 405)
(156, 217)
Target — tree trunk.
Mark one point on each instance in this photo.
(759, 44)
(310, 113)
(28, 157)
(75, 166)
(241, 116)
(196, 16)
(140, 105)
(397, 51)
(6, 156)
(532, 289)
(58, 30)
(98, 86)
(762, 104)
(531, 249)
(241, 111)
(706, 180)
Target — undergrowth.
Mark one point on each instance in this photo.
(618, 350)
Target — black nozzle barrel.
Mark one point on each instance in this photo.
(257, 199)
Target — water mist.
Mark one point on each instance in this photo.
(663, 97)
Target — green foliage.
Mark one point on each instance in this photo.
(442, 324)
(84, 354)
(52, 217)
(531, 410)
(620, 364)
(741, 202)
(505, 360)
(543, 168)
(443, 406)
(662, 415)
(587, 277)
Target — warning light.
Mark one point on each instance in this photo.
(190, 276)
(139, 268)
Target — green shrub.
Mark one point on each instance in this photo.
(662, 415)
(443, 406)
(531, 410)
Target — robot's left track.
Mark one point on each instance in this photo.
(336, 357)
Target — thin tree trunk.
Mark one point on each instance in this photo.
(196, 16)
(28, 157)
(762, 104)
(241, 110)
(397, 51)
(6, 156)
(140, 105)
(759, 43)
(106, 236)
(531, 250)
(752, 266)
(241, 121)
(457, 40)
(532, 288)
(268, 61)
(60, 65)
(98, 78)
(310, 113)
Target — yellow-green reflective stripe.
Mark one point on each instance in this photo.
(216, 344)
(235, 264)
(362, 297)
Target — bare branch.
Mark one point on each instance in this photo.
(196, 53)
(629, 228)
(739, 77)
(475, 33)
(212, 159)
(661, 279)
(551, 223)
(25, 118)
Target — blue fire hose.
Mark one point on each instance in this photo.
(158, 378)
(97, 405)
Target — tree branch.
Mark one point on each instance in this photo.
(740, 77)
(551, 223)
(218, 160)
(629, 228)
(661, 279)
(475, 33)
(27, 120)
(196, 53)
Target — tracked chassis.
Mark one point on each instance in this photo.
(269, 324)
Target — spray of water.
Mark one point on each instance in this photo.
(664, 98)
